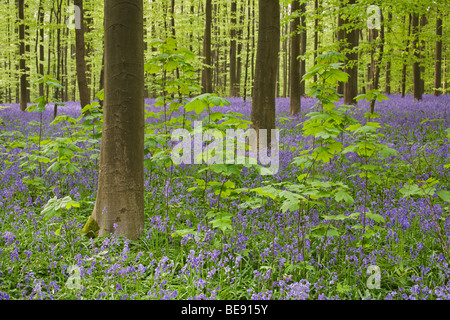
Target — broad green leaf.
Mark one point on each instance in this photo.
(375, 217)
(342, 195)
(444, 195)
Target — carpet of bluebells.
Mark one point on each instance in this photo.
(260, 258)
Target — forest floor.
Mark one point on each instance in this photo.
(214, 243)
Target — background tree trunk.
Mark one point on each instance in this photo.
(295, 100)
(403, 82)
(340, 37)
(207, 71)
(303, 39)
(268, 47)
(416, 64)
(22, 61)
(81, 62)
(351, 67)
(387, 81)
(233, 50)
(438, 57)
(120, 193)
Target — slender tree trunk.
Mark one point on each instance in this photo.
(438, 57)
(387, 85)
(263, 108)
(172, 18)
(340, 35)
(239, 55)
(376, 72)
(207, 69)
(403, 89)
(351, 87)
(417, 82)
(247, 55)
(444, 85)
(120, 195)
(316, 32)
(295, 100)
(233, 49)
(253, 46)
(285, 60)
(373, 34)
(81, 62)
(58, 93)
(423, 22)
(40, 46)
(22, 61)
(303, 38)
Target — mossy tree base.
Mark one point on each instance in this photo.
(91, 228)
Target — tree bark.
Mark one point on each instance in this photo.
(120, 195)
(80, 58)
(316, 31)
(403, 88)
(233, 50)
(351, 67)
(340, 35)
(207, 70)
(387, 82)
(417, 82)
(40, 46)
(247, 55)
(438, 57)
(295, 99)
(268, 47)
(377, 64)
(22, 61)
(303, 38)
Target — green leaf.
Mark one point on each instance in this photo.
(375, 217)
(444, 195)
(386, 152)
(342, 195)
(196, 105)
(151, 68)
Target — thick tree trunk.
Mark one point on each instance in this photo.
(120, 196)
(295, 100)
(438, 57)
(81, 62)
(207, 70)
(263, 108)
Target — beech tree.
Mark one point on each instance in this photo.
(81, 62)
(24, 95)
(438, 56)
(207, 71)
(295, 101)
(351, 67)
(119, 206)
(266, 67)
